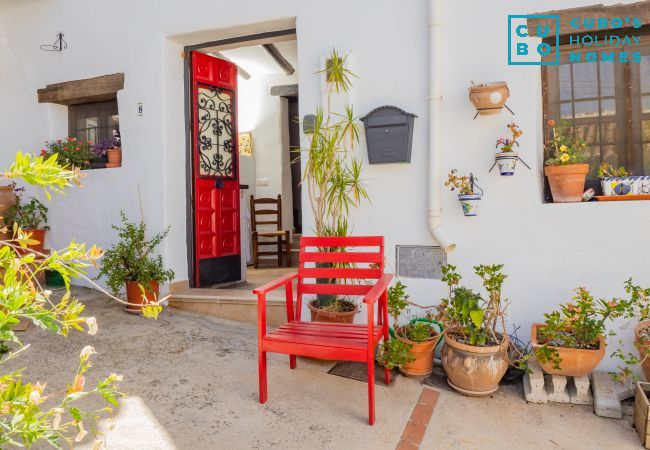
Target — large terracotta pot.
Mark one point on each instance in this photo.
(472, 370)
(644, 348)
(567, 182)
(576, 362)
(37, 235)
(422, 365)
(114, 157)
(490, 98)
(7, 198)
(135, 298)
(318, 315)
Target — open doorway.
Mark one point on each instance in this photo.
(249, 132)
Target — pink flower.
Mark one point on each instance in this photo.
(612, 303)
(573, 318)
(73, 139)
(77, 148)
(58, 141)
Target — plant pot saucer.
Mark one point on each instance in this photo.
(471, 393)
(418, 376)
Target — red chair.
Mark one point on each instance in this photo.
(334, 341)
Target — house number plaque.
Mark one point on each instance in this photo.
(419, 261)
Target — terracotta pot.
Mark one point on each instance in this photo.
(7, 198)
(318, 315)
(576, 362)
(422, 366)
(135, 298)
(567, 182)
(114, 157)
(474, 371)
(491, 98)
(644, 348)
(37, 235)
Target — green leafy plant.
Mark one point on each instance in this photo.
(606, 170)
(578, 324)
(72, 153)
(417, 332)
(395, 353)
(31, 215)
(397, 301)
(563, 145)
(133, 258)
(29, 414)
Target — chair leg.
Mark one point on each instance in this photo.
(279, 251)
(262, 376)
(292, 361)
(255, 250)
(371, 391)
(288, 248)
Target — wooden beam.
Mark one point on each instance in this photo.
(240, 71)
(287, 90)
(82, 91)
(277, 56)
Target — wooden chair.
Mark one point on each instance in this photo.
(336, 341)
(282, 238)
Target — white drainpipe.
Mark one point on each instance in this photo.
(434, 211)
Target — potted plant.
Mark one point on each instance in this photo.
(72, 153)
(332, 177)
(418, 337)
(30, 217)
(475, 353)
(616, 181)
(489, 98)
(131, 262)
(333, 308)
(7, 200)
(507, 158)
(469, 193)
(564, 169)
(114, 154)
(99, 150)
(571, 341)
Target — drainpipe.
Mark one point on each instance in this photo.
(434, 211)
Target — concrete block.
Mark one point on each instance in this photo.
(606, 402)
(556, 389)
(534, 390)
(579, 391)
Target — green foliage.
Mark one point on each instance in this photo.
(132, 258)
(607, 170)
(31, 215)
(71, 152)
(564, 145)
(467, 313)
(24, 419)
(395, 353)
(338, 76)
(417, 332)
(397, 300)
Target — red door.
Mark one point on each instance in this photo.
(217, 256)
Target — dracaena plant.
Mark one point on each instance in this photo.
(29, 413)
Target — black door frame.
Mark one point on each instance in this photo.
(189, 167)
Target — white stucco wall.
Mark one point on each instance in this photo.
(547, 249)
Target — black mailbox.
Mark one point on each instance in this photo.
(389, 135)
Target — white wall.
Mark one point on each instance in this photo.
(547, 249)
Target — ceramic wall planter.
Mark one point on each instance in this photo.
(567, 182)
(506, 161)
(489, 98)
(643, 345)
(632, 185)
(318, 315)
(135, 298)
(469, 203)
(472, 370)
(576, 362)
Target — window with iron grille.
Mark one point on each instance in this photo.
(93, 121)
(607, 104)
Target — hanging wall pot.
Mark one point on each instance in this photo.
(489, 98)
(469, 193)
(507, 162)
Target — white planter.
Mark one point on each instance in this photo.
(507, 161)
(469, 204)
(632, 185)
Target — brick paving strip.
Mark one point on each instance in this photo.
(419, 420)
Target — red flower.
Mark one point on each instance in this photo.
(73, 139)
(43, 152)
(78, 148)
(58, 141)
(90, 143)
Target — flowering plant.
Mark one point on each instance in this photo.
(607, 170)
(100, 147)
(507, 144)
(72, 152)
(462, 183)
(577, 325)
(565, 148)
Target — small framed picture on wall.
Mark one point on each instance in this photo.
(246, 143)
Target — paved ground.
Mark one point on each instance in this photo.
(192, 384)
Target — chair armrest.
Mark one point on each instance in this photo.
(379, 288)
(271, 285)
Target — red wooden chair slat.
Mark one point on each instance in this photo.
(350, 342)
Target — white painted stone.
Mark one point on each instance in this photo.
(534, 390)
(606, 401)
(556, 389)
(579, 391)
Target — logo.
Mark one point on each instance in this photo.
(526, 50)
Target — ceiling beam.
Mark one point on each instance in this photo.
(277, 56)
(240, 71)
